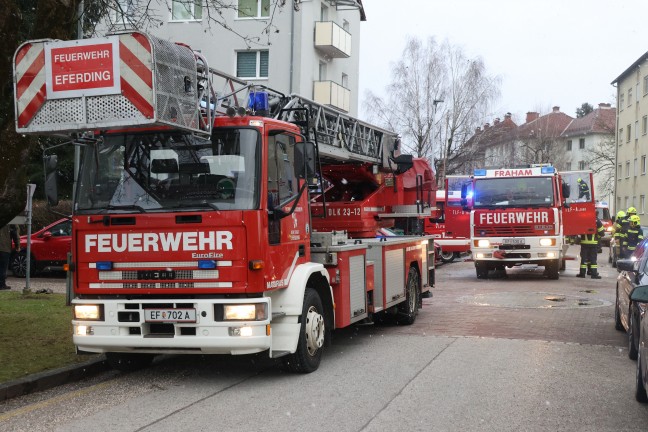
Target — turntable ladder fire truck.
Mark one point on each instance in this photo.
(201, 227)
(524, 215)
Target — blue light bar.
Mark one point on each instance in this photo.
(206, 264)
(258, 101)
(480, 172)
(104, 265)
(548, 170)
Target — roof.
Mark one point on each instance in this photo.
(600, 120)
(498, 133)
(633, 66)
(550, 125)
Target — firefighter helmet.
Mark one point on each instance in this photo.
(580, 180)
(621, 214)
(632, 211)
(635, 220)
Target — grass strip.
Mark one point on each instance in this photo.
(35, 334)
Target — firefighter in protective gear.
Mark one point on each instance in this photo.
(619, 232)
(589, 251)
(583, 189)
(633, 236)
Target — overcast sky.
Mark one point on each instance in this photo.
(547, 53)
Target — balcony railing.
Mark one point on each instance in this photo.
(332, 94)
(332, 39)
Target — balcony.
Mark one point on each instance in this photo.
(332, 94)
(332, 40)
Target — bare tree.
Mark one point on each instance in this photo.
(436, 98)
(602, 158)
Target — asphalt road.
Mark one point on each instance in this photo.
(505, 354)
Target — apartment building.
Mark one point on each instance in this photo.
(632, 137)
(308, 47)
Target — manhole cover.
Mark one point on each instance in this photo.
(534, 300)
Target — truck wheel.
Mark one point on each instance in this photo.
(128, 362)
(307, 357)
(482, 270)
(408, 309)
(552, 269)
(447, 257)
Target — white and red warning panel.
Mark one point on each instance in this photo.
(87, 67)
(103, 83)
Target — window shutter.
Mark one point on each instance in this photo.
(263, 70)
(246, 64)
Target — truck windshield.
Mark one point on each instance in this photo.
(514, 192)
(163, 171)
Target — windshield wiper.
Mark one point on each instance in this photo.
(126, 207)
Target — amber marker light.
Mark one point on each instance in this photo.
(256, 264)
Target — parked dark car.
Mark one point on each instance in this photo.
(49, 249)
(632, 273)
(612, 257)
(640, 298)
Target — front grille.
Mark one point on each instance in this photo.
(504, 231)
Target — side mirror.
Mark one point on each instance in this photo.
(51, 179)
(640, 294)
(47, 235)
(566, 190)
(626, 265)
(305, 160)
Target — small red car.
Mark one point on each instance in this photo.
(49, 249)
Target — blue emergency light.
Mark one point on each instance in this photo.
(548, 170)
(206, 264)
(480, 172)
(258, 102)
(104, 265)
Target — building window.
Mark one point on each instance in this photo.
(621, 101)
(322, 72)
(630, 96)
(618, 202)
(346, 26)
(619, 172)
(567, 166)
(644, 125)
(642, 204)
(323, 12)
(345, 80)
(581, 143)
(627, 169)
(628, 133)
(252, 64)
(643, 164)
(186, 10)
(645, 85)
(569, 145)
(626, 202)
(620, 136)
(581, 165)
(253, 8)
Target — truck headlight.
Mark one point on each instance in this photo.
(88, 312)
(547, 242)
(482, 243)
(245, 312)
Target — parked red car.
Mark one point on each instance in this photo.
(49, 249)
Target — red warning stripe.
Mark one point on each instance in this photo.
(136, 65)
(25, 81)
(26, 84)
(137, 99)
(32, 108)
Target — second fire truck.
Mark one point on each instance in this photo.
(524, 215)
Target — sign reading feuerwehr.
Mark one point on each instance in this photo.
(82, 67)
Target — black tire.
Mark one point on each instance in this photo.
(481, 269)
(447, 257)
(128, 362)
(617, 316)
(614, 259)
(308, 355)
(633, 333)
(408, 310)
(18, 265)
(640, 389)
(552, 269)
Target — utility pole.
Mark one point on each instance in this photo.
(435, 102)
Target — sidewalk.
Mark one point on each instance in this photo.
(55, 377)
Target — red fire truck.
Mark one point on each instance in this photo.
(524, 215)
(211, 216)
(453, 244)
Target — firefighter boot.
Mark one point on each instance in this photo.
(595, 274)
(581, 274)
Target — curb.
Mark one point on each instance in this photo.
(52, 378)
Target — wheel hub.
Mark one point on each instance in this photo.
(314, 330)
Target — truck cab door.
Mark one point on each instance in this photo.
(457, 220)
(577, 200)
